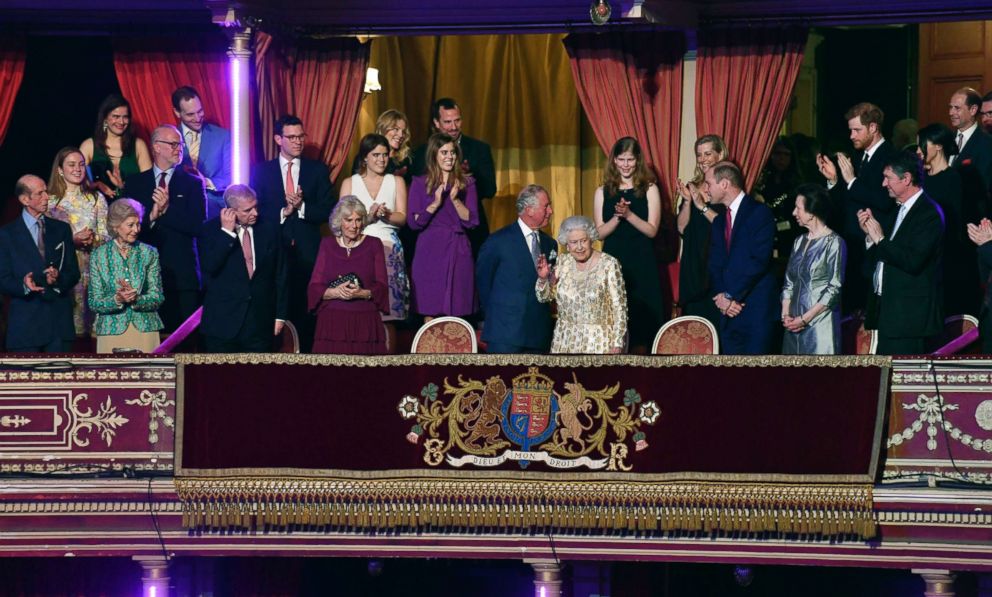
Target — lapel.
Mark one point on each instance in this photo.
(743, 213)
(23, 237)
(906, 221)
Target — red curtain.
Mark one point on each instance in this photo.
(630, 84)
(744, 82)
(321, 82)
(149, 76)
(12, 54)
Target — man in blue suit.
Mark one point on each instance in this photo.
(244, 270)
(206, 147)
(38, 270)
(740, 265)
(506, 273)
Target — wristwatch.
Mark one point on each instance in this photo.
(705, 209)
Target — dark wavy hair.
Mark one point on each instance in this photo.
(109, 104)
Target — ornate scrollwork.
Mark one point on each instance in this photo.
(106, 420)
(157, 404)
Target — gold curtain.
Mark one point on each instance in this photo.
(516, 93)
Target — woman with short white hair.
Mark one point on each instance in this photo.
(588, 286)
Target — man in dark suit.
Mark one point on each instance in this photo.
(175, 207)
(904, 259)
(296, 192)
(477, 161)
(986, 112)
(244, 267)
(974, 159)
(861, 188)
(206, 147)
(506, 273)
(746, 291)
(38, 270)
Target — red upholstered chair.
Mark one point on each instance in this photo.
(288, 340)
(445, 335)
(855, 339)
(688, 334)
(955, 327)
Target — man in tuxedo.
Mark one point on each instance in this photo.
(974, 159)
(477, 161)
(861, 188)
(244, 267)
(506, 273)
(986, 112)
(740, 268)
(38, 270)
(206, 147)
(175, 207)
(296, 192)
(904, 252)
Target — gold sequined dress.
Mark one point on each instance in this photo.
(592, 306)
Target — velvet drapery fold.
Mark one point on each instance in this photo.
(149, 76)
(12, 55)
(744, 82)
(321, 82)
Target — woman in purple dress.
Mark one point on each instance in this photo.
(442, 206)
(349, 288)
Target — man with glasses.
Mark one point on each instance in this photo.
(986, 112)
(296, 192)
(175, 208)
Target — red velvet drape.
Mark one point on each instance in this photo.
(149, 70)
(321, 82)
(744, 82)
(12, 54)
(631, 84)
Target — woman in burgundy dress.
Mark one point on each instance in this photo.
(349, 289)
(443, 206)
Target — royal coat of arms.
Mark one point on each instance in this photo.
(486, 424)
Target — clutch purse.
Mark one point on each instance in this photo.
(350, 277)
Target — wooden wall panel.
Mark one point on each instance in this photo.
(952, 55)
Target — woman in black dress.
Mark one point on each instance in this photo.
(943, 184)
(627, 209)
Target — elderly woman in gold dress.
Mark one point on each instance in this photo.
(589, 289)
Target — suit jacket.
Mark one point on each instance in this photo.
(506, 278)
(174, 233)
(479, 156)
(911, 302)
(974, 163)
(38, 318)
(231, 296)
(214, 160)
(746, 272)
(866, 192)
(146, 276)
(301, 236)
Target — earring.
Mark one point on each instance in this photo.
(105, 126)
(61, 174)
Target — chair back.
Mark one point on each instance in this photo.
(854, 338)
(445, 335)
(688, 334)
(955, 327)
(288, 340)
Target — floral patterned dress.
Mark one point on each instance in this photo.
(82, 210)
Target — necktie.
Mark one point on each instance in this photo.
(535, 247)
(879, 267)
(161, 180)
(193, 146)
(728, 230)
(864, 162)
(290, 188)
(246, 249)
(960, 141)
(41, 236)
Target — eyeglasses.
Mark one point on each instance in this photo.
(173, 144)
(295, 138)
(986, 114)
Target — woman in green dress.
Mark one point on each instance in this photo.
(126, 285)
(113, 152)
(627, 209)
(71, 200)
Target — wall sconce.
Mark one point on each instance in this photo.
(372, 80)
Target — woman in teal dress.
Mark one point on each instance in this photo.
(126, 285)
(113, 152)
(627, 209)
(85, 210)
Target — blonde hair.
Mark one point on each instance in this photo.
(346, 206)
(718, 146)
(121, 210)
(56, 184)
(388, 120)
